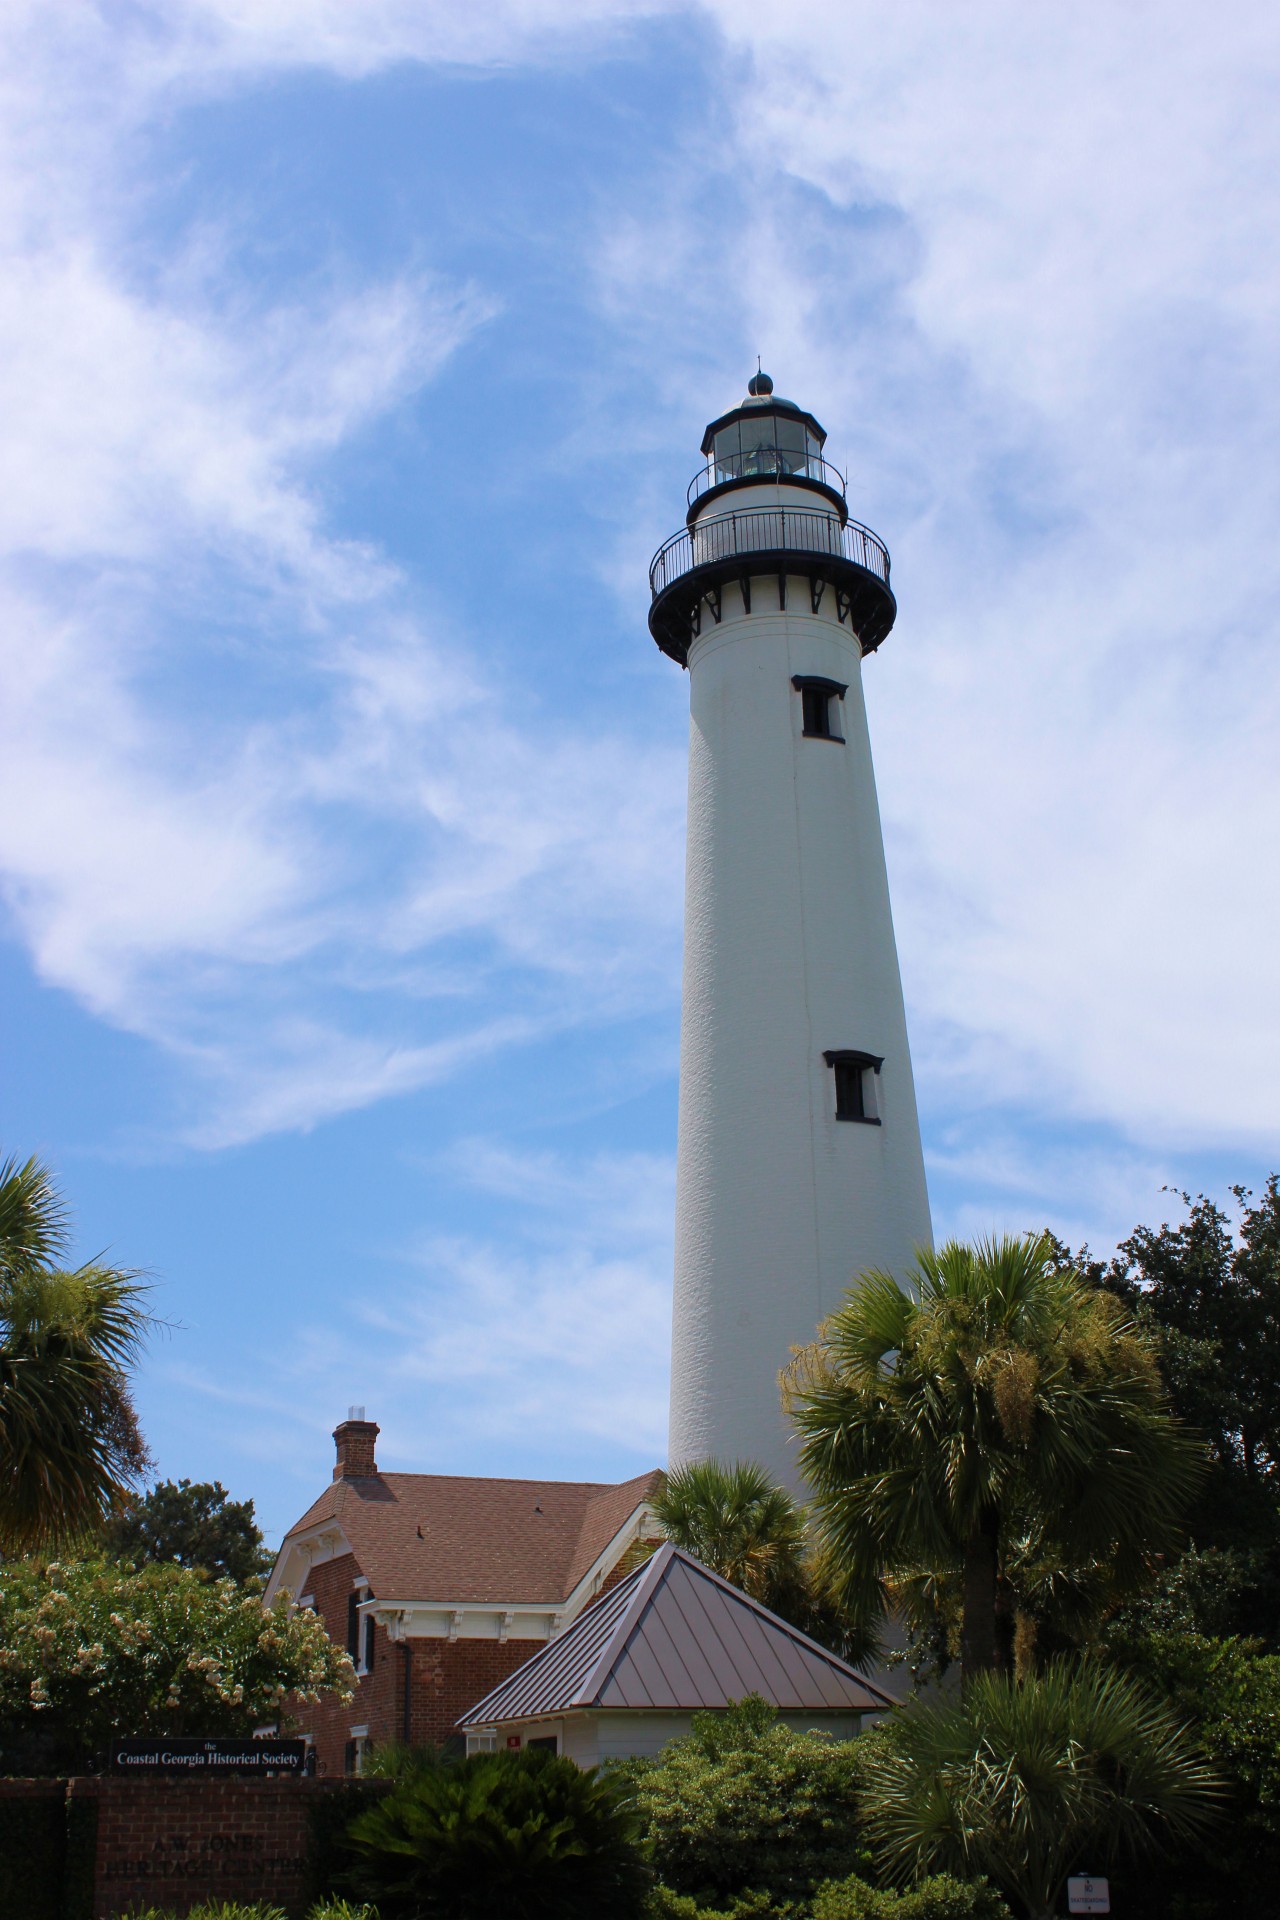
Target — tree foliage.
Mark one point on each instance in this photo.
(1209, 1292)
(527, 1835)
(91, 1651)
(70, 1445)
(1028, 1781)
(1215, 1296)
(994, 1443)
(193, 1525)
(744, 1805)
(737, 1522)
(755, 1534)
(1229, 1689)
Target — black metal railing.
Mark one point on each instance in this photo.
(765, 463)
(730, 536)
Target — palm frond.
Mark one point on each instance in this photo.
(34, 1222)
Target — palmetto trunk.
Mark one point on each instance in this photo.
(978, 1653)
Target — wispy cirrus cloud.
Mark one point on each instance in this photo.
(196, 870)
(545, 1332)
(563, 1322)
(1025, 259)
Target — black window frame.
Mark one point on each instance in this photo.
(850, 1065)
(816, 695)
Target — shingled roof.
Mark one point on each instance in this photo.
(426, 1536)
(675, 1636)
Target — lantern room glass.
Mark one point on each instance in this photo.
(766, 444)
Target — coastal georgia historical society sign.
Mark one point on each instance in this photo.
(210, 1757)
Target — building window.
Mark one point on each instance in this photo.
(855, 1077)
(819, 714)
(482, 1743)
(547, 1742)
(360, 1627)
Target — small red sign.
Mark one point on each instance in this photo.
(513, 1739)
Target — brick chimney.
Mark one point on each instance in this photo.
(354, 1438)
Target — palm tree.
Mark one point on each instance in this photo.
(756, 1535)
(1028, 1781)
(995, 1431)
(69, 1438)
(738, 1523)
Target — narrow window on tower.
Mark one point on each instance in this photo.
(819, 711)
(855, 1075)
(360, 1628)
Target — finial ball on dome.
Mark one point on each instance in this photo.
(758, 385)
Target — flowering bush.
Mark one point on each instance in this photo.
(91, 1650)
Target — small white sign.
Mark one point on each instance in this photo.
(1088, 1895)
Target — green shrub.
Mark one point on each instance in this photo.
(938, 1898)
(666, 1905)
(232, 1910)
(213, 1910)
(1030, 1781)
(523, 1834)
(329, 1815)
(743, 1804)
(1230, 1693)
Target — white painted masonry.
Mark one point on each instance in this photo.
(789, 951)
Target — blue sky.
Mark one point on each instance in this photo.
(354, 360)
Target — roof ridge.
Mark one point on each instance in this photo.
(648, 1572)
(587, 1551)
(601, 1655)
(506, 1480)
(552, 1650)
(793, 1632)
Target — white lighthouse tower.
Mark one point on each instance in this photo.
(799, 1159)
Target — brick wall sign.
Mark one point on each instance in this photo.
(174, 1840)
(210, 1757)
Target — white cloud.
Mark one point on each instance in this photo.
(1025, 257)
(552, 1329)
(194, 871)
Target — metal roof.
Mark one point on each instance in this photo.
(675, 1635)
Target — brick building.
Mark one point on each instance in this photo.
(440, 1586)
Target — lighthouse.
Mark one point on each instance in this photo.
(799, 1161)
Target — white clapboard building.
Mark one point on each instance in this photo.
(671, 1640)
